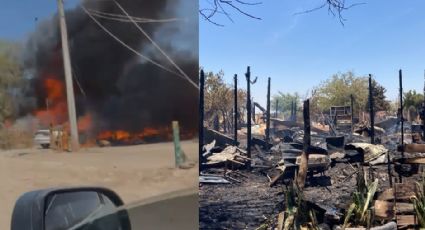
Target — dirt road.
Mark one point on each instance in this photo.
(134, 172)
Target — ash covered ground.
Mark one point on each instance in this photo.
(248, 201)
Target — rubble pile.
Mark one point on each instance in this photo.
(253, 196)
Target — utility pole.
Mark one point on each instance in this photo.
(268, 114)
(235, 109)
(72, 114)
(371, 113)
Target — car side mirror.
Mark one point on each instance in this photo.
(88, 208)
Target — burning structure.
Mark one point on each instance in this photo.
(119, 97)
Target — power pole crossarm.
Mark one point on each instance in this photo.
(72, 114)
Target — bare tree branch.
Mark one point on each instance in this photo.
(335, 7)
(223, 7)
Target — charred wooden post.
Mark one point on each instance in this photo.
(295, 111)
(235, 108)
(371, 112)
(400, 78)
(307, 128)
(268, 114)
(423, 113)
(303, 168)
(201, 117)
(390, 178)
(352, 113)
(248, 113)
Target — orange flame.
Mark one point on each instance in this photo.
(56, 113)
(54, 89)
(85, 123)
(56, 108)
(135, 137)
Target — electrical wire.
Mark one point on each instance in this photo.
(157, 46)
(127, 46)
(125, 18)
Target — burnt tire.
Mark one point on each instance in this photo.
(45, 146)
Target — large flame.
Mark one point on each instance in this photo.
(146, 135)
(55, 110)
(55, 113)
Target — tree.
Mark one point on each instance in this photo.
(379, 99)
(336, 91)
(219, 101)
(285, 101)
(412, 98)
(10, 79)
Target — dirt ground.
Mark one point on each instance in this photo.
(243, 205)
(249, 204)
(134, 172)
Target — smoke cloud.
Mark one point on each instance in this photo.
(119, 89)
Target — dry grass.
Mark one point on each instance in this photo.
(13, 138)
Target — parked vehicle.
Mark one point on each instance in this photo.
(42, 137)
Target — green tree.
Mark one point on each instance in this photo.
(379, 99)
(412, 98)
(285, 101)
(337, 89)
(10, 79)
(219, 97)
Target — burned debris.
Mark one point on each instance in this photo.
(337, 170)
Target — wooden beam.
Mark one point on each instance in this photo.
(385, 209)
(406, 220)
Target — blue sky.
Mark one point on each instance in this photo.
(18, 16)
(300, 51)
(296, 51)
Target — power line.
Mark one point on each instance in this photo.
(127, 46)
(123, 18)
(157, 46)
(74, 75)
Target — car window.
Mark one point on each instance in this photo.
(68, 209)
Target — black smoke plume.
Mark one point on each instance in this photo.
(121, 90)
